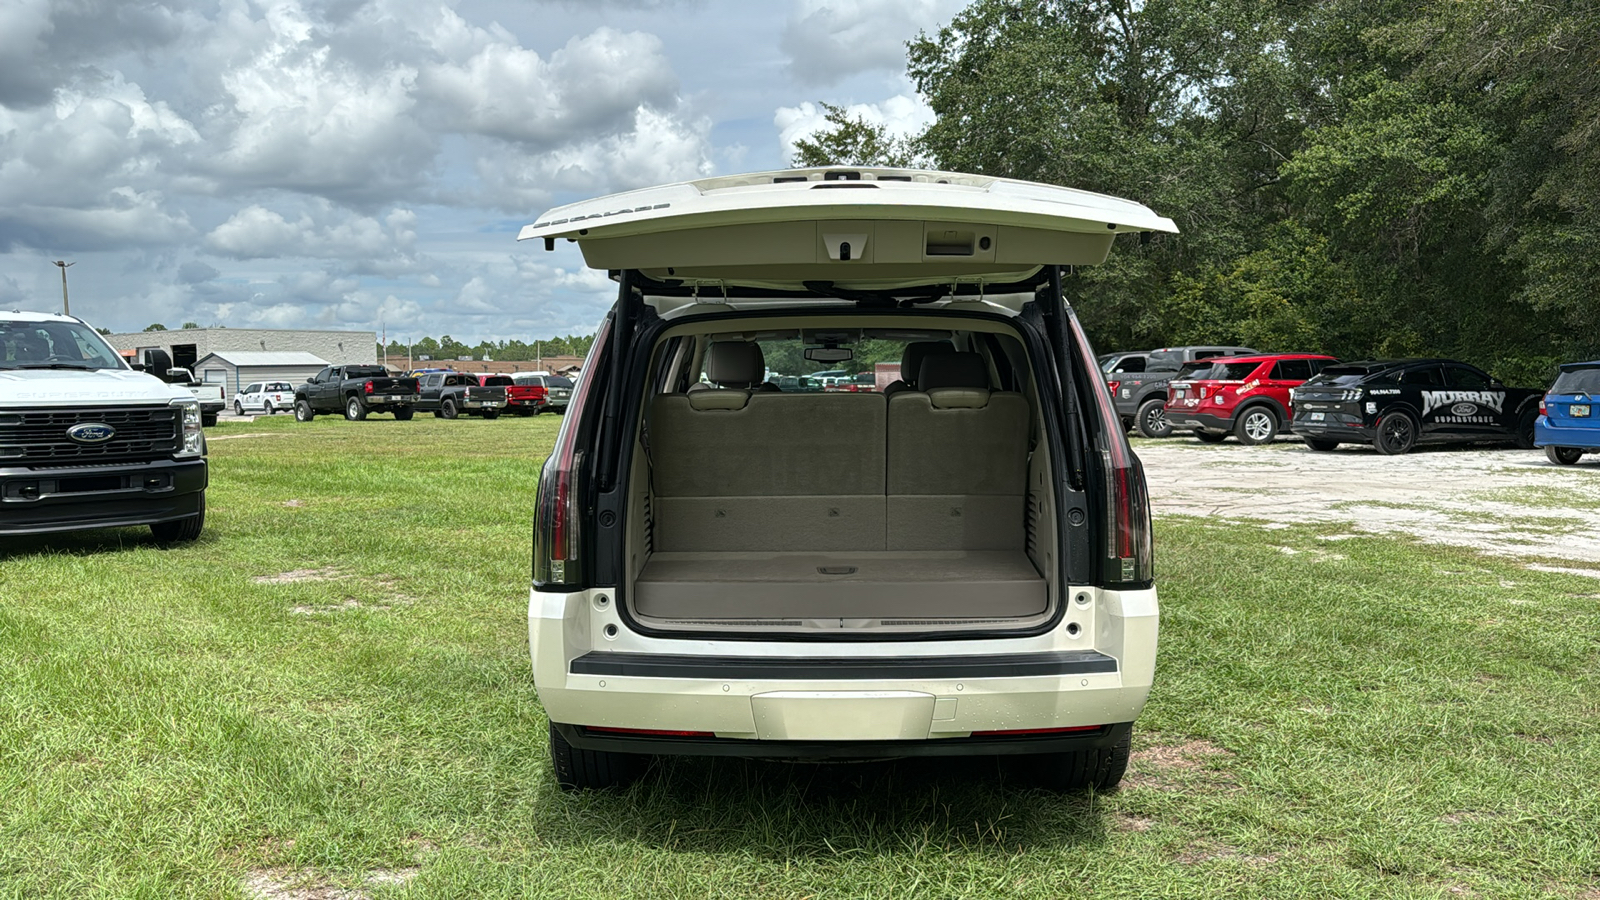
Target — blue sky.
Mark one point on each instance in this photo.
(357, 163)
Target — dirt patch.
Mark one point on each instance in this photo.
(1122, 821)
(327, 573)
(294, 504)
(290, 884)
(1165, 766)
(1500, 501)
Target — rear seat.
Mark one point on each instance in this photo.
(957, 460)
(939, 468)
(743, 470)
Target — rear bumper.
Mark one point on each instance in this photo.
(1185, 419)
(1338, 430)
(841, 700)
(1581, 437)
(40, 500)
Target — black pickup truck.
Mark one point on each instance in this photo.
(1138, 383)
(453, 394)
(356, 391)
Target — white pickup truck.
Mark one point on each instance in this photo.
(88, 442)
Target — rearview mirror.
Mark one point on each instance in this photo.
(829, 354)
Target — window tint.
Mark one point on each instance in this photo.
(1425, 376)
(1577, 381)
(497, 381)
(1292, 370)
(252, 388)
(1209, 371)
(558, 381)
(1131, 364)
(1467, 379)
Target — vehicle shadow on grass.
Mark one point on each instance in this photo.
(86, 543)
(786, 810)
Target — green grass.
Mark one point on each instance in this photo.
(1366, 717)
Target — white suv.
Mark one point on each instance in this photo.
(267, 396)
(957, 565)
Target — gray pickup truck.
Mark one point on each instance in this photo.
(450, 395)
(1138, 382)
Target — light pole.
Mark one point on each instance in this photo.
(66, 308)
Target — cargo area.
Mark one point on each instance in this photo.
(919, 503)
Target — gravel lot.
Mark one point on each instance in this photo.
(1502, 501)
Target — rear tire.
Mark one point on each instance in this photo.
(1524, 438)
(181, 531)
(1098, 768)
(1563, 456)
(1256, 425)
(238, 408)
(1151, 419)
(1396, 434)
(355, 410)
(303, 411)
(591, 770)
(403, 415)
(1321, 445)
(1210, 437)
(448, 409)
(437, 414)
(266, 407)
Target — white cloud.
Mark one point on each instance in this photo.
(828, 41)
(903, 115)
(321, 231)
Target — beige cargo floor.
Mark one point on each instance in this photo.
(879, 585)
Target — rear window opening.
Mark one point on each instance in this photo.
(1577, 381)
(892, 482)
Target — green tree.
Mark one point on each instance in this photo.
(851, 141)
(155, 326)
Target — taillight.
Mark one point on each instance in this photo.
(1128, 557)
(367, 387)
(557, 517)
(1542, 411)
(1113, 385)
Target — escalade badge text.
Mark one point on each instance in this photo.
(91, 432)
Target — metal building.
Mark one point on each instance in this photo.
(187, 346)
(236, 368)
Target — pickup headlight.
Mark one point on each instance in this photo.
(194, 437)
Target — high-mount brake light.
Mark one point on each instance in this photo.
(557, 519)
(1128, 557)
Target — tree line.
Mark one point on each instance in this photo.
(448, 348)
(1356, 177)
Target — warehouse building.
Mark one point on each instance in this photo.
(236, 368)
(188, 346)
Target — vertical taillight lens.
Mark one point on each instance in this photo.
(367, 387)
(1128, 558)
(1542, 410)
(558, 512)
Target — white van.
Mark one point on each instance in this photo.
(88, 442)
(959, 564)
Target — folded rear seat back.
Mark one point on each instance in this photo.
(957, 460)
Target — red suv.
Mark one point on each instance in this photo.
(1247, 395)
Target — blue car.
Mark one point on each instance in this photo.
(1570, 424)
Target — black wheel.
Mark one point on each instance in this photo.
(181, 531)
(303, 411)
(1524, 438)
(1151, 419)
(1397, 434)
(1099, 768)
(1210, 437)
(586, 770)
(403, 415)
(448, 409)
(208, 420)
(355, 410)
(1563, 456)
(1321, 445)
(491, 414)
(1256, 425)
(437, 414)
(238, 408)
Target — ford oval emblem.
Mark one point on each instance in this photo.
(91, 432)
(1463, 409)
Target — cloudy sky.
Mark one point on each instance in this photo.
(341, 163)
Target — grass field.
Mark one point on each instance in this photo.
(329, 696)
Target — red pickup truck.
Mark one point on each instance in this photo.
(522, 397)
(1247, 396)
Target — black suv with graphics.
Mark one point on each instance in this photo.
(1395, 404)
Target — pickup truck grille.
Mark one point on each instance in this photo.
(39, 436)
